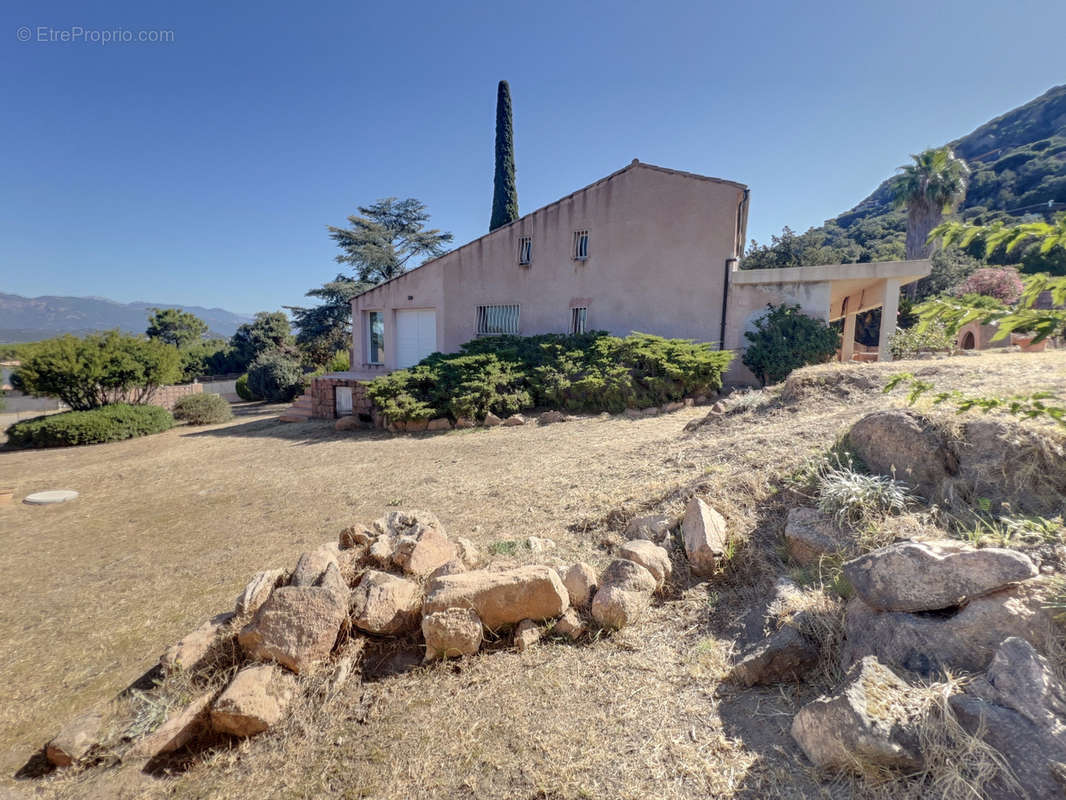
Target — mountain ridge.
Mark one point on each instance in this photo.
(27, 319)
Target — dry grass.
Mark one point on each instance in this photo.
(169, 527)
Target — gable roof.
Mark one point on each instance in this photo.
(634, 164)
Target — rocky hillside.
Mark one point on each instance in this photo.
(1018, 167)
(28, 319)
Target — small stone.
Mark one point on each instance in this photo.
(453, 567)
(569, 625)
(650, 412)
(452, 632)
(615, 608)
(417, 425)
(650, 556)
(550, 417)
(194, 647)
(177, 731)
(386, 605)
(526, 634)
(491, 420)
(537, 544)
(467, 552)
(628, 575)
(514, 421)
(704, 533)
(787, 655)
(348, 423)
(419, 544)
(76, 739)
(312, 564)
(689, 402)
(258, 590)
(718, 408)
(439, 424)
(811, 534)
(653, 527)
(464, 422)
(669, 408)
(633, 413)
(255, 701)
(580, 582)
(357, 535)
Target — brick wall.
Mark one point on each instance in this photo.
(167, 396)
(323, 398)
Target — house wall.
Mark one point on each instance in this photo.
(659, 242)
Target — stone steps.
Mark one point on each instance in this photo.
(299, 411)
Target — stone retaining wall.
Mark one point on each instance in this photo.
(323, 398)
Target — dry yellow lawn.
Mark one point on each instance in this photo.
(168, 529)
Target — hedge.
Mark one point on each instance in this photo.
(275, 377)
(203, 409)
(585, 372)
(241, 387)
(105, 424)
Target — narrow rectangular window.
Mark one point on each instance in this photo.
(493, 320)
(581, 245)
(376, 337)
(525, 250)
(577, 320)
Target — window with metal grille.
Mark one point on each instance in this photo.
(376, 338)
(493, 320)
(577, 319)
(581, 245)
(525, 250)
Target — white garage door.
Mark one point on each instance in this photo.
(416, 335)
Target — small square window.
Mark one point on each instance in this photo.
(376, 337)
(578, 317)
(581, 245)
(525, 250)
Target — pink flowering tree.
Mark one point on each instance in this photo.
(1002, 283)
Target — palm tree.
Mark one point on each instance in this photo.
(932, 186)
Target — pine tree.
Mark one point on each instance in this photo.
(505, 193)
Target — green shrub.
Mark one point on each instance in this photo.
(275, 377)
(100, 369)
(104, 424)
(203, 409)
(786, 339)
(585, 372)
(241, 387)
(932, 338)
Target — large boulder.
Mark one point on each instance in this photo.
(1019, 708)
(786, 655)
(628, 575)
(386, 605)
(649, 555)
(452, 632)
(927, 576)
(255, 701)
(258, 590)
(298, 625)
(76, 739)
(867, 721)
(502, 598)
(811, 534)
(704, 533)
(194, 647)
(904, 445)
(962, 640)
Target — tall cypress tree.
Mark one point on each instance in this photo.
(505, 193)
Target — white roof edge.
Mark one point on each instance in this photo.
(872, 270)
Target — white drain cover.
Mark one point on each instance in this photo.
(47, 498)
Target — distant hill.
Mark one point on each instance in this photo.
(27, 319)
(1018, 166)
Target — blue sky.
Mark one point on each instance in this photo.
(204, 170)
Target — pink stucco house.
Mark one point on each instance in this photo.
(644, 249)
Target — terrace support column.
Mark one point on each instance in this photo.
(889, 313)
(847, 346)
